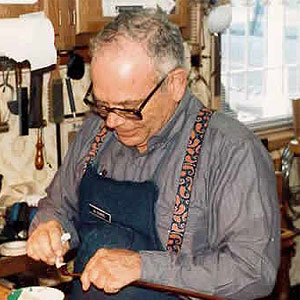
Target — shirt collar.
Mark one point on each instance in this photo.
(173, 126)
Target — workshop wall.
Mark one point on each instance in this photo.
(20, 177)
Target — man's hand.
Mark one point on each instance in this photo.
(45, 243)
(112, 269)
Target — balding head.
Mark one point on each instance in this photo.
(162, 39)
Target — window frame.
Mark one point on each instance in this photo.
(284, 122)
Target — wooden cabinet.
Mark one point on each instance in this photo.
(62, 15)
(60, 12)
(89, 17)
(14, 10)
(75, 21)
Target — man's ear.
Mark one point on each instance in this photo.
(177, 83)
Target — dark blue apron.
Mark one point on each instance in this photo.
(115, 214)
(120, 214)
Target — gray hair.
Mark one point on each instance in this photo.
(163, 39)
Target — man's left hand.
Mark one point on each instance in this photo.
(111, 269)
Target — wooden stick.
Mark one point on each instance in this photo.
(175, 290)
(155, 286)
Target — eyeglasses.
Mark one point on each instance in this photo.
(133, 114)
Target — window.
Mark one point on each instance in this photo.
(260, 61)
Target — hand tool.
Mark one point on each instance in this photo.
(56, 106)
(39, 157)
(154, 286)
(75, 70)
(35, 102)
(22, 98)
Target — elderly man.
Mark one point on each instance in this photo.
(155, 186)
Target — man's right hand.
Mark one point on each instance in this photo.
(45, 243)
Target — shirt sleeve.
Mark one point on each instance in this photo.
(61, 202)
(243, 255)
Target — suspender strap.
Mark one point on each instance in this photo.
(98, 141)
(187, 175)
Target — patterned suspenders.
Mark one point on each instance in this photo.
(187, 175)
(98, 141)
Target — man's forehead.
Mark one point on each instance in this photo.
(131, 64)
(124, 49)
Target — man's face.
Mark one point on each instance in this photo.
(123, 75)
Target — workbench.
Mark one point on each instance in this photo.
(11, 265)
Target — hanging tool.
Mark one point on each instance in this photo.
(55, 97)
(197, 38)
(75, 70)
(71, 97)
(56, 106)
(22, 98)
(1, 178)
(39, 157)
(36, 114)
(13, 106)
(35, 103)
(5, 82)
(6, 86)
(10, 64)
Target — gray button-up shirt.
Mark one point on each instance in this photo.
(231, 242)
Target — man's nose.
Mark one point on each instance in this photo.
(113, 120)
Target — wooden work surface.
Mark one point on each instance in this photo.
(10, 265)
(3, 293)
(15, 264)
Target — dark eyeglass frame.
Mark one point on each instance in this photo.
(135, 114)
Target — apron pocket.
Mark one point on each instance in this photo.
(102, 236)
